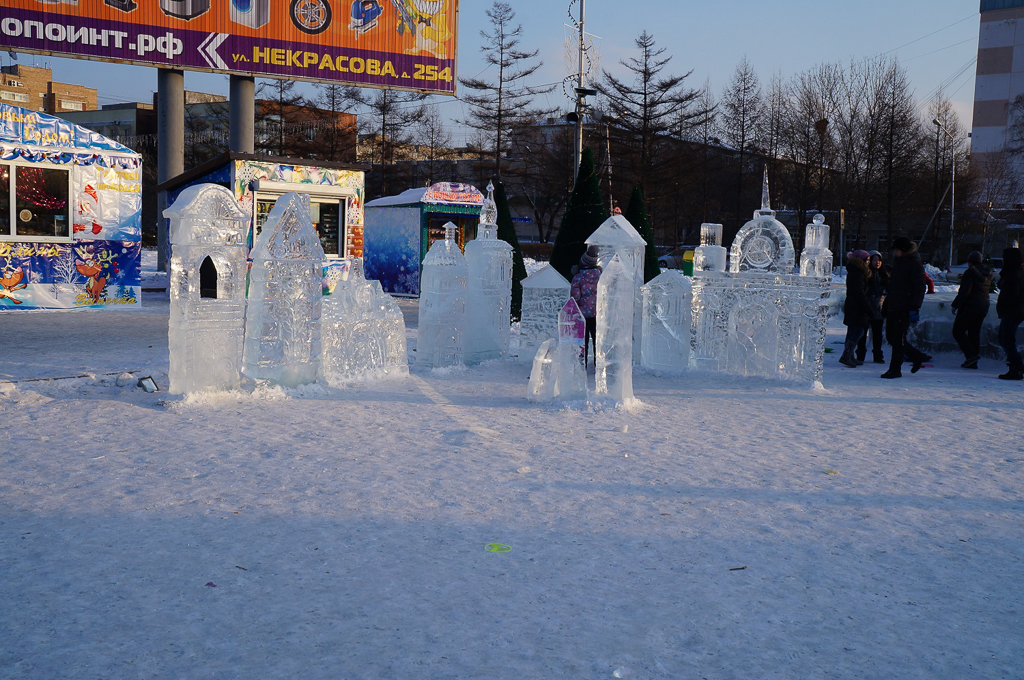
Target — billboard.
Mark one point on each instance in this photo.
(399, 44)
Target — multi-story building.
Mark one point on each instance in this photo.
(32, 87)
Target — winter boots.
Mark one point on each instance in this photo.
(1015, 373)
(970, 362)
(848, 360)
(879, 358)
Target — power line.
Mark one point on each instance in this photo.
(969, 16)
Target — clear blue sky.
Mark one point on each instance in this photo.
(936, 40)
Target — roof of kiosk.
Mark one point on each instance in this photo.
(442, 193)
(28, 128)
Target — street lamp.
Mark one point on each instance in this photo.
(952, 188)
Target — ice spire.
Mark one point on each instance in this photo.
(766, 202)
(489, 215)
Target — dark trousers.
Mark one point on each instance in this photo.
(590, 338)
(854, 334)
(1008, 341)
(876, 340)
(896, 326)
(967, 332)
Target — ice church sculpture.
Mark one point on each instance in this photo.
(443, 296)
(558, 373)
(613, 358)
(489, 261)
(207, 289)
(667, 319)
(544, 293)
(282, 324)
(759, 318)
(362, 331)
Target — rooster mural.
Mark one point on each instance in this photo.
(10, 282)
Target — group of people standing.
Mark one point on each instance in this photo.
(877, 294)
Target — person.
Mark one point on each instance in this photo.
(1010, 308)
(876, 294)
(584, 292)
(857, 308)
(903, 305)
(971, 306)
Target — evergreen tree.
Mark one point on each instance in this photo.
(507, 233)
(636, 214)
(583, 215)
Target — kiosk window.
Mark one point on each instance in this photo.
(328, 216)
(34, 201)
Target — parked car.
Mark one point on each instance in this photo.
(680, 258)
(953, 274)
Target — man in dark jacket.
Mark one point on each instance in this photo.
(857, 308)
(903, 305)
(971, 306)
(1010, 308)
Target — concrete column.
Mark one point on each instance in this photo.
(170, 136)
(241, 137)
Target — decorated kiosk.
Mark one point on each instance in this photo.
(70, 215)
(400, 229)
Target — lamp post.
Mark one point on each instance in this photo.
(952, 188)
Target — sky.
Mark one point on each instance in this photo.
(935, 40)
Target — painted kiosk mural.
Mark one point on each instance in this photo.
(400, 229)
(70, 215)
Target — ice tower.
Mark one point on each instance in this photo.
(207, 289)
(442, 303)
(544, 293)
(614, 343)
(282, 326)
(489, 260)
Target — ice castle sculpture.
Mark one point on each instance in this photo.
(759, 318)
(544, 293)
(207, 289)
(443, 296)
(489, 260)
(616, 236)
(282, 325)
(616, 296)
(558, 373)
(710, 256)
(362, 331)
(667, 319)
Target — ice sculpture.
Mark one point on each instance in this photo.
(282, 325)
(616, 236)
(490, 288)
(816, 258)
(614, 356)
(558, 372)
(759, 318)
(544, 293)
(207, 289)
(442, 303)
(362, 331)
(667, 318)
(710, 256)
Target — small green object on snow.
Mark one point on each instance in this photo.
(497, 548)
(830, 471)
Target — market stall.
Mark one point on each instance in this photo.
(70, 215)
(399, 230)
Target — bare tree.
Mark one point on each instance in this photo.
(390, 120)
(739, 116)
(502, 105)
(277, 97)
(435, 142)
(336, 141)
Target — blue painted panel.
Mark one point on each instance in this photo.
(391, 248)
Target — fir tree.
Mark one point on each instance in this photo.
(583, 215)
(636, 214)
(507, 233)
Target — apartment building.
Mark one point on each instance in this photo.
(33, 87)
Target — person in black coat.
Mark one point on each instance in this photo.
(1010, 308)
(877, 285)
(971, 306)
(857, 308)
(903, 305)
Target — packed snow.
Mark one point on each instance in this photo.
(440, 525)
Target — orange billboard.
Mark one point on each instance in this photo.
(402, 44)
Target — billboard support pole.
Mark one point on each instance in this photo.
(170, 139)
(241, 137)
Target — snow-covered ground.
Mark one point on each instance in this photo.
(728, 528)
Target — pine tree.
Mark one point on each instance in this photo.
(583, 215)
(507, 233)
(636, 214)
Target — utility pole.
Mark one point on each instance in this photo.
(581, 92)
(952, 189)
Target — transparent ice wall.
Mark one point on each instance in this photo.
(362, 331)
(667, 319)
(282, 327)
(614, 357)
(544, 293)
(207, 289)
(557, 374)
(442, 304)
(489, 262)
